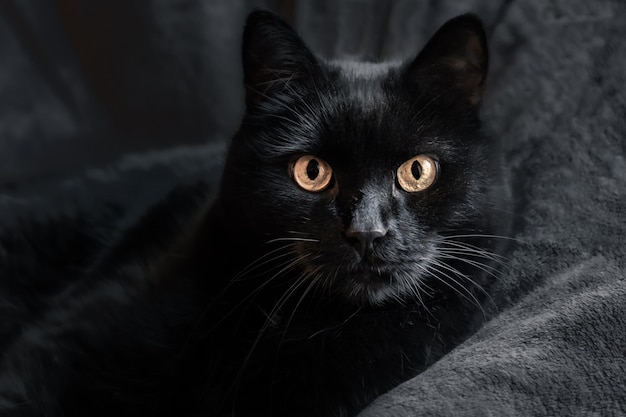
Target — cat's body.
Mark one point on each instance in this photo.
(346, 251)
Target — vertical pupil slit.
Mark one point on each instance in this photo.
(313, 169)
(416, 169)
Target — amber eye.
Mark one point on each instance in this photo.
(311, 173)
(418, 173)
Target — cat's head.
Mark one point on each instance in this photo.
(359, 178)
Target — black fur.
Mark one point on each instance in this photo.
(257, 302)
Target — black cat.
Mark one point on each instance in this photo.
(350, 245)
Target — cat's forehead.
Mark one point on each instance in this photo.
(358, 118)
(362, 119)
(363, 70)
(362, 81)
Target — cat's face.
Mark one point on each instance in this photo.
(356, 178)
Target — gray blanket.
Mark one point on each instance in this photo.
(554, 339)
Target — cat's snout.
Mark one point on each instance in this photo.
(363, 240)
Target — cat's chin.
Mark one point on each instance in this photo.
(368, 286)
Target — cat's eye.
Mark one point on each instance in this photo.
(311, 173)
(418, 173)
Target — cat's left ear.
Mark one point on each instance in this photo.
(274, 57)
(458, 50)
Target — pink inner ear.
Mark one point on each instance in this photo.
(476, 98)
(458, 63)
(474, 51)
(469, 68)
(468, 75)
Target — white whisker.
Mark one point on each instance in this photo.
(256, 263)
(292, 239)
(492, 271)
(271, 318)
(474, 249)
(482, 236)
(470, 297)
(312, 283)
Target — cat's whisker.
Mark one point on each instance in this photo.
(466, 276)
(327, 282)
(257, 262)
(470, 297)
(292, 290)
(350, 317)
(488, 236)
(312, 283)
(476, 253)
(292, 239)
(467, 251)
(460, 274)
(219, 296)
(282, 301)
(488, 269)
(420, 284)
(287, 265)
(271, 318)
(455, 238)
(460, 245)
(419, 292)
(414, 288)
(284, 266)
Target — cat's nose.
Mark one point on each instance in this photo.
(363, 240)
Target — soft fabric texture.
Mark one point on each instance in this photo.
(115, 104)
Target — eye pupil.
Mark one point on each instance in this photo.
(416, 169)
(313, 169)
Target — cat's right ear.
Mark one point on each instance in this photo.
(275, 58)
(455, 55)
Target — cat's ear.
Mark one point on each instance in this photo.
(458, 50)
(274, 56)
